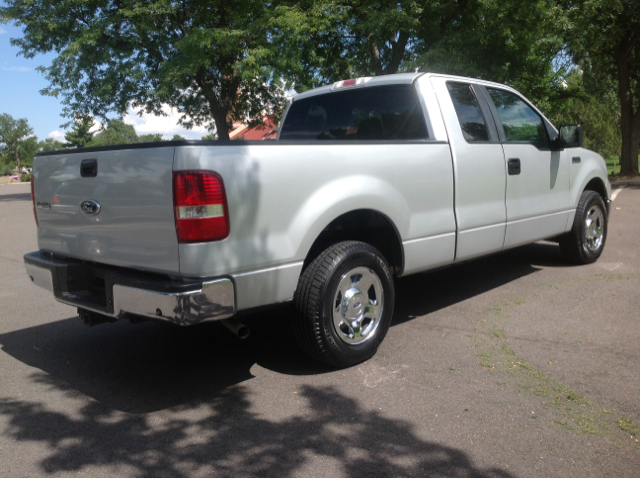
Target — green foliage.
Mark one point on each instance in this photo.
(5, 168)
(150, 138)
(509, 41)
(117, 132)
(49, 144)
(217, 61)
(601, 123)
(211, 60)
(210, 136)
(25, 178)
(604, 39)
(17, 142)
(80, 135)
(178, 138)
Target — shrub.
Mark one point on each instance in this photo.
(26, 177)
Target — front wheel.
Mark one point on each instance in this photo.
(585, 242)
(344, 304)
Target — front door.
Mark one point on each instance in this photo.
(538, 179)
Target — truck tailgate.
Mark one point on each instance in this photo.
(135, 225)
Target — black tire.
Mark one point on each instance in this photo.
(320, 291)
(579, 245)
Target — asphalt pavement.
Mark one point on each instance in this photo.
(518, 364)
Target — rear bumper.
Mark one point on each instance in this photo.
(121, 292)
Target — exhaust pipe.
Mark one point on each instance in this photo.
(91, 318)
(236, 327)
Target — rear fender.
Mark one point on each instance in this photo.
(342, 196)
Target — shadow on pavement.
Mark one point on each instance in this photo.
(228, 439)
(15, 197)
(425, 293)
(154, 366)
(139, 369)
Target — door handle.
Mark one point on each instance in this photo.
(576, 159)
(89, 168)
(514, 166)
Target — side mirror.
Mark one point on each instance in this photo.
(571, 136)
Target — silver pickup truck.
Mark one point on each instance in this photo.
(369, 179)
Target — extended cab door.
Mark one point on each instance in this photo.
(480, 177)
(538, 179)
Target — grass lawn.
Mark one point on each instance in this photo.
(610, 164)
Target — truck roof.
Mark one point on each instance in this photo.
(393, 79)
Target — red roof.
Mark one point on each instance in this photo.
(262, 132)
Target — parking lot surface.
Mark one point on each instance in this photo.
(518, 364)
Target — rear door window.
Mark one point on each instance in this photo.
(390, 112)
(474, 127)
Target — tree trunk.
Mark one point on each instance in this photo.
(397, 52)
(630, 146)
(629, 121)
(220, 118)
(376, 66)
(219, 111)
(219, 114)
(15, 152)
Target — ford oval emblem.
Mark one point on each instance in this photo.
(90, 207)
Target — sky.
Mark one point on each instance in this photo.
(20, 85)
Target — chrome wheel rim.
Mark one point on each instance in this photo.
(594, 228)
(357, 305)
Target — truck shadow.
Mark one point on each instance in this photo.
(153, 366)
(425, 293)
(125, 373)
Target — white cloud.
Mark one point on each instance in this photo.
(149, 124)
(57, 135)
(2, 30)
(97, 127)
(16, 69)
(166, 125)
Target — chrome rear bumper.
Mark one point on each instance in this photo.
(120, 292)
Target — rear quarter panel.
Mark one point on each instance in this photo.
(281, 196)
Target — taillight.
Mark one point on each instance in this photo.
(200, 206)
(33, 199)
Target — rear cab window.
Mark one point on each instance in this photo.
(470, 117)
(389, 112)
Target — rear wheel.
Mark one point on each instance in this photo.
(585, 242)
(344, 304)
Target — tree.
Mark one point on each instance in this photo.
(210, 136)
(604, 39)
(80, 135)
(178, 138)
(49, 144)
(210, 60)
(17, 141)
(509, 41)
(596, 108)
(150, 138)
(117, 132)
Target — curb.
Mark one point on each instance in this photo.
(630, 181)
